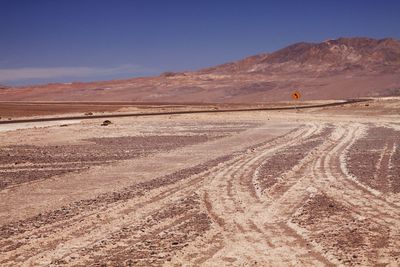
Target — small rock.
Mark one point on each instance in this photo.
(106, 123)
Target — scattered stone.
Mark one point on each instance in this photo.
(106, 123)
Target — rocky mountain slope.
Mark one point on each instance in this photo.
(333, 69)
(344, 54)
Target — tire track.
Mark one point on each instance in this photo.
(314, 213)
(220, 168)
(80, 227)
(224, 226)
(362, 209)
(377, 155)
(244, 214)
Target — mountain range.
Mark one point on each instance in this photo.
(334, 69)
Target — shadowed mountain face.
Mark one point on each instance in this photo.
(333, 69)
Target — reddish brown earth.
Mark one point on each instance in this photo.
(11, 110)
(302, 188)
(17, 109)
(334, 69)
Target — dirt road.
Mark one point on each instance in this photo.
(286, 189)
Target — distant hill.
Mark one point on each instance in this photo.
(334, 69)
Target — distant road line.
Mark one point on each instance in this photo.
(85, 117)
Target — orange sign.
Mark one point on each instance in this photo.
(296, 95)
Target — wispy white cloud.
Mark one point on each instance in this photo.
(18, 74)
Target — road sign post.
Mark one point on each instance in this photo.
(296, 96)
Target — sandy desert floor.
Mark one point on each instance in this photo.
(268, 188)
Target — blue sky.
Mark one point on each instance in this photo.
(58, 40)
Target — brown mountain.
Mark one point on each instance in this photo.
(344, 54)
(333, 69)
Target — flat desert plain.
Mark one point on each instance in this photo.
(310, 187)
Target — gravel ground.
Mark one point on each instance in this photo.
(375, 159)
(315, 188)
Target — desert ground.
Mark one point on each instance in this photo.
(306, 187)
